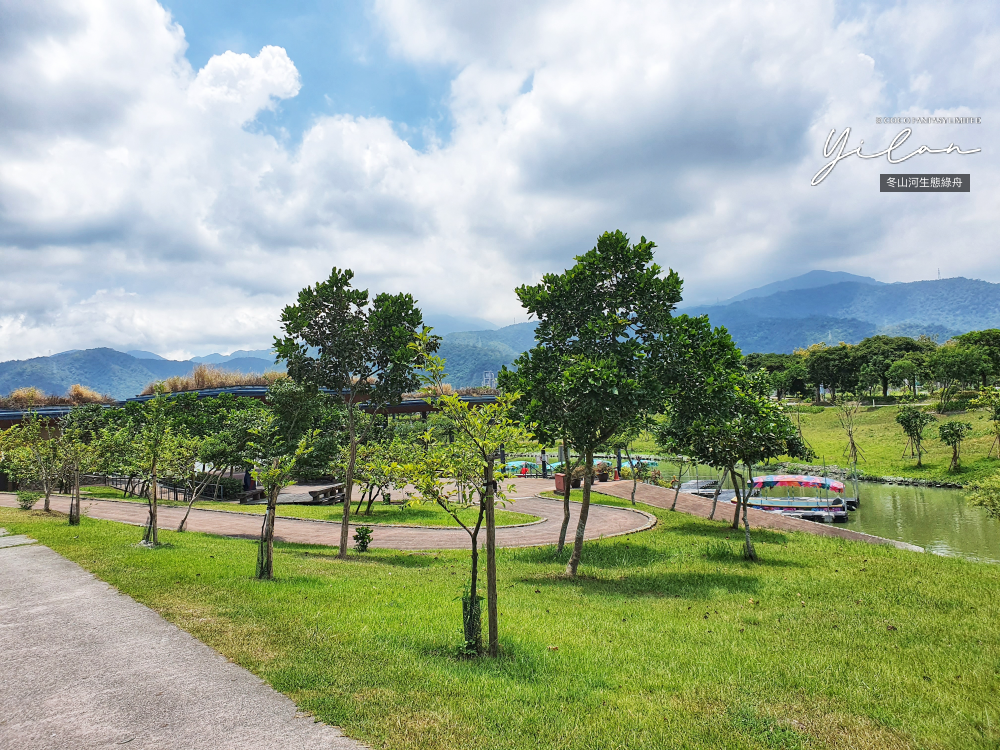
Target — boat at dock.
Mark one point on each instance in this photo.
(824, 509)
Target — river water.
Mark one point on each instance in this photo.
(939, 520)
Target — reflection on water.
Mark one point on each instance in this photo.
(938, 520)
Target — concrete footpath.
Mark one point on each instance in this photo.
(84, 666)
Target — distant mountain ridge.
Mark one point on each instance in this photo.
(781, 321)
(105, 370)
(851, 311)
(809, 280)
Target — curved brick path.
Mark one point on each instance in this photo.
(603, 521)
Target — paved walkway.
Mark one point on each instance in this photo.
(84, 667)
(603, 521)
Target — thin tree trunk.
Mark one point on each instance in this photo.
(748, 551)
(715, 497)
(473, 615)
(74, 500)
(736, 515)
(567, 485)
(348, 482)
(151, 537)
(581, 526)
(677, 490)
(265, 552)
(371, 499)
(493, 649)
(635, 474)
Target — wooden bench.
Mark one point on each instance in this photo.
(251, 496)
(331, 495)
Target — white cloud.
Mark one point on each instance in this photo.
(139, 203)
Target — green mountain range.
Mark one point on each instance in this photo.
(779, 317)
(851, 311)
(105, 370)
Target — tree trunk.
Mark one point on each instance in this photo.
(748, 551)
(265, 552)
(954, 458)
(493, 649)
(371, 499)
(567, 482)
(885, 387)
(736, 483)
(715, 497)
(151, 537)
(348, 482)
(635, 474)
(677, 490)
(74, 500)
(581, 526)
(472, 616)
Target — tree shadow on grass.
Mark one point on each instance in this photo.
(383, 557)
(766, 536)
(685, 585)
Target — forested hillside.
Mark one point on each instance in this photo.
(851, 311)
(105, 370)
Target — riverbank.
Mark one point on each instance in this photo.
(886, 459)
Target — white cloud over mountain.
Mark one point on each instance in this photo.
(141, 205)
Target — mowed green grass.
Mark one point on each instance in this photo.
(425, 514)
(882, 442)
(668, 639)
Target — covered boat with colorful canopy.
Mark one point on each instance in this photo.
(823, 509)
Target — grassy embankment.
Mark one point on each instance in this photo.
(667, 639)
(425, 514)
(882, 441)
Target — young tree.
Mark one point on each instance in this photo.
(34, 449)
(145, 444)
(989, 399)
(481, 434)
(847, 414)
(274, 461)
(380, 466)
(952, 434)
(602, 337)
(337, 338)
(485, 432)
(724, 416)
(914, 421)
(80, 439)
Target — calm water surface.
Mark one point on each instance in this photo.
(939, 520)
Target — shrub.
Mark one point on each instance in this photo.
(362, 538)
(26, 498)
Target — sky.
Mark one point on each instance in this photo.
(172, 174)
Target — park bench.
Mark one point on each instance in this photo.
(328, 495)
(251, 496)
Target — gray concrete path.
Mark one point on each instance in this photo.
(83, 666)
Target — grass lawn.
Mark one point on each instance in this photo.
(667, 639)
(421, 515)
(882, 442)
